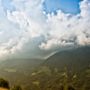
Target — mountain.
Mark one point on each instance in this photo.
(18, 70)
(20, 64)
(69, 68)
(73, 59)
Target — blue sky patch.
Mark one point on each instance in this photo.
(7, 5)
(67, 6)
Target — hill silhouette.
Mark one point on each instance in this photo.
(75, 59)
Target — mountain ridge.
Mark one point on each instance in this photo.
(70, 58)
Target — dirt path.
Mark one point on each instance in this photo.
(3, 89)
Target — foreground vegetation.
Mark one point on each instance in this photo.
(45, 78)
(4, 85)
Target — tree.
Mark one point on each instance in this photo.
(4, 83)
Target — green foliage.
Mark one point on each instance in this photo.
(45, 78)
(54, 79)
(16, 87)
(4, 83)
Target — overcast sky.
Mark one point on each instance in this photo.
(39, 28)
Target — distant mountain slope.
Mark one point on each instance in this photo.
(76, 59)
(20, 64)
(18, 70)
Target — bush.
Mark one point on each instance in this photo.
(4, 83)
(17, 87)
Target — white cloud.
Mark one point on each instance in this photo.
(20, 26)
(21, 30)
(67, 30)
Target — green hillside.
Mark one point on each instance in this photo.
(66, 70)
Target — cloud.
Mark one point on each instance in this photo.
(27, 31)
(20, 27)
(69, 30)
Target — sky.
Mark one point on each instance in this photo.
(40, 28)
(67, 6)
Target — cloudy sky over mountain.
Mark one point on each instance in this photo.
(39, 28)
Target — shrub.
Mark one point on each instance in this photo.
(16, 87)
(4, 83)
